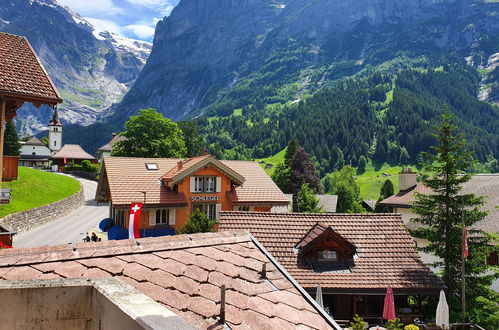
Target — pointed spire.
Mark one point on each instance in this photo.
(55, 118)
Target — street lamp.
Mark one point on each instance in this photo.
(144, 211)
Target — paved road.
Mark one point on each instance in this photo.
(68, 229)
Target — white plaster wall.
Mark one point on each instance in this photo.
(38, 150)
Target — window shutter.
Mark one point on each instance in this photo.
(192, 182)
(217, 211)
(172, 216)
(219, 184)
(152, 217)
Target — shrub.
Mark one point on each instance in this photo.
(198, 223)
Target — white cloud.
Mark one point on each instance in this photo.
(104, 25)
(142, 32)
(92, 7)
(163, 7)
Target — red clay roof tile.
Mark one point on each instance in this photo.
(184, 273)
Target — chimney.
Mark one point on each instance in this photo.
(205, 151)
(407, 179)
(179, 165)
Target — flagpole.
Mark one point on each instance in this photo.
(463, 285)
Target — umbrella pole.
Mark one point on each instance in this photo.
(463, 284)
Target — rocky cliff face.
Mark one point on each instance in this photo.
(206, 50)
(91, 69)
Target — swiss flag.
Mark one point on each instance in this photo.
(465, 243)
(133, 222)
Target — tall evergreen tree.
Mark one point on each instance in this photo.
(194, 140)
(11, 145)
(386, 191)
(290, 152)
(441, 215)
(303, 171)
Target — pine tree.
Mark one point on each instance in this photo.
(290, 152)
(303, 171)
(386, 191)
(308, 201)
(11, 145)
(440, 218)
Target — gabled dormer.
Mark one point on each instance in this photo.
(324, 250)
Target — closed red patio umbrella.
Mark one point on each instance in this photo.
(389, 307)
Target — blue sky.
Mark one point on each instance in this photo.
(134, 19)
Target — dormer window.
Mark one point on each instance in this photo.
(205, 184)
(152, 166)
(327, 255)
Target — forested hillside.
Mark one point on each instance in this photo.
(386, 113)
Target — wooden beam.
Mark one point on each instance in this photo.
(2, 131)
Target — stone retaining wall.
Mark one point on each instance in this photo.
(26, 220)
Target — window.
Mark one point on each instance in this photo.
(207, 184)
(55, 143)
(209, 209)
(493, 259)
(162, 217)
(243, 208)
(119, 217)
(327, 255)
(152, 166)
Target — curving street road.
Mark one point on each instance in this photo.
(71, 228)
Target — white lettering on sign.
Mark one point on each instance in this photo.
(204, 198)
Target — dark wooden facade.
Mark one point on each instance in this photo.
(10, 168)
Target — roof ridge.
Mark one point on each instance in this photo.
(129, 246)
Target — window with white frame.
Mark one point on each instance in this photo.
(205, 184)
(119, 217)
(209, 209)
(327, 255)
(162, 217)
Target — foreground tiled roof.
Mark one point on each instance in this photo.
(184, 273)
(72, 151)
(21, 73)
(128, 176)
(486, 185)
(109, 146)
(386, 254)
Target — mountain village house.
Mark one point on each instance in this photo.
(23, 79)
(107, 149)
(171, 188)
(354, 258)
(485, 185)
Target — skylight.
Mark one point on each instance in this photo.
(152, 166)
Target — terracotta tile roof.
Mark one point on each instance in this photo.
(486, 185)
(186, 165)
(21, 72)
(72, 151)
(127, 176)
(258, 187)
(184, 273)
(386, 254)
(33, 142)
(109, 146)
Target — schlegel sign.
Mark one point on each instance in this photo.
(204, 198)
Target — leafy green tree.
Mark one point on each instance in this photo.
(11, 145)
(198, 223)
(303, 171)
(441, 215)
(194, 140)
(386, 191)
(45, 141)
(308, 201)
(149, 134)
(281, 177)
(343, 183)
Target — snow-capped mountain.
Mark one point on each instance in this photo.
(92, 69)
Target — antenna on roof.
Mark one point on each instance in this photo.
(264, 270)
(222, 304)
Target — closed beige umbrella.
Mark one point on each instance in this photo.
(318, 296)
(442, 317)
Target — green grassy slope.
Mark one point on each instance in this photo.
(274, 160)
(372, 179)
(35, 188)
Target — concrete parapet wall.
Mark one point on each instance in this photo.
(27, 220)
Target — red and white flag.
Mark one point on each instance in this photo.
(134, 219)
(65, 161)
(465, 243)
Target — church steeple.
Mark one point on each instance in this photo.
(55, 119)
(55, 132)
